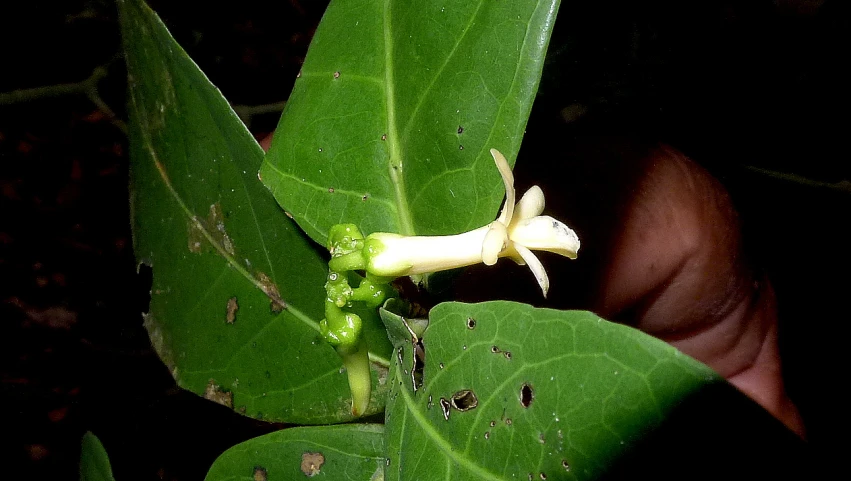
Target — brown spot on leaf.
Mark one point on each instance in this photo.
(210, 229)
(160, 342)
(215, 393)
(260, 473)
(216, 228)
(271, 290)
(233, 306)
(195, 238)
(311, 463)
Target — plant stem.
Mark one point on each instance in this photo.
(87, 87)
(360, 378)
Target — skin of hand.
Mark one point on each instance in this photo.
(678, 271)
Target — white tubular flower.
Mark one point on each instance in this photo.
(517, 231)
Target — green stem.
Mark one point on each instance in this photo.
(360, 378)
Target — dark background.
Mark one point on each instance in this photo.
(737, 86)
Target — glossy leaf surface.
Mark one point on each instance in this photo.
(237, 289)
(353, 452)
(390, 123)
(514, 392)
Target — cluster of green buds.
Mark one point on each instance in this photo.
(342, 328)
(519, 229)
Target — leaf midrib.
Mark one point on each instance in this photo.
(396, 164)
(148, 143)
(439, 440)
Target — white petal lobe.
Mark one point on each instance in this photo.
(508, 180)
(536, 267)
(495, 242)
(547, 234)
(530, 205)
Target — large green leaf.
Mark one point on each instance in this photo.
(396, 107)
(94, 462)
(514, 392)
(237, 289)
(352, 452)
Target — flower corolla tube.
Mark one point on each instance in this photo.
(519, 229)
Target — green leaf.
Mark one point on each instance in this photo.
(237, 289)
(94, 462)
(513, 391)
(391, 120)
(348, 452)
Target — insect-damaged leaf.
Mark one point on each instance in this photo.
(390, 123)
(353, 452)
(237, 289)
(574, 395)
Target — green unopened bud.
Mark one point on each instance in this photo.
(342, 331)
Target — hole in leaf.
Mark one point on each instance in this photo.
(418, 365)
(464, 400)
(144, 286)
(507, 355)
(444, 406)
(471, 323)
(565, 465)
(526, 395)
